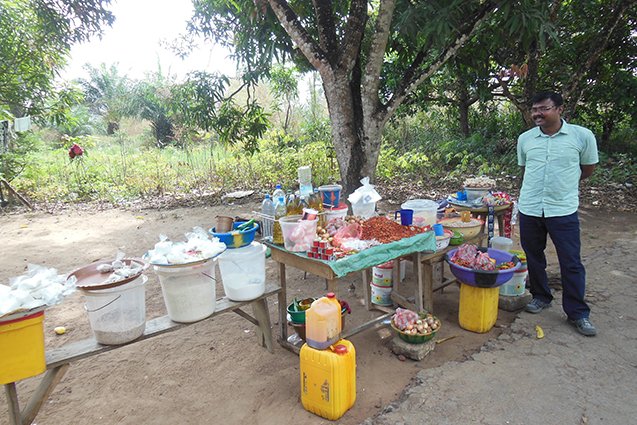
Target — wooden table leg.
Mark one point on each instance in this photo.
(500, 224)
(264, 330)
(282, 297)
(366, 281)
(52, 377)
(332, 286)
(428, 295)
(12, 401)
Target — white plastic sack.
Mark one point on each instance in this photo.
(366, 194)
(39, 286)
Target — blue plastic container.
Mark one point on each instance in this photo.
(236, 238)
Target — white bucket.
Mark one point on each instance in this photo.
(516, 286)
(425, 211)
(338, 212)
(243, 272)
(189, 291)
(382, 274)
(117, 315)
(381, 295)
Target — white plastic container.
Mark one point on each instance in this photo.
(338, 212)
(189, 290)
(364, 209)
(425, 211)
(516, 286)
(117, 315)
(501, 243)
(475, 193)
(381, 295)
(243, 272)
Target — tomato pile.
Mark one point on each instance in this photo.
(385, 230)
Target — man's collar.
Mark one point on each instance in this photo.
(564, 129)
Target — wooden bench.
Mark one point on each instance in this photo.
(59, 359)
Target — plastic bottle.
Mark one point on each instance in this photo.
(278, 192)
(294, 205)
(267, 216)
(316, 202)
(323, 322)
(279, 212)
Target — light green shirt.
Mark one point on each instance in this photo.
(552, 169)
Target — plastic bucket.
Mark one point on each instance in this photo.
(331, 194)
(117, 315)
(425, 211)
(475, 193)
(381, 295)
(501, 243)
(338, 212)
(298, 234)
(22, 346)
(516, 286)
(189, 291)
(243, 272)
(382, 274)
(364, 209)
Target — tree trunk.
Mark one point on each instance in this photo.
(356, 146)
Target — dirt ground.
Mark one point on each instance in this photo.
(214, 371)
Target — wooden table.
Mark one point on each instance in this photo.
(426, 265)
(58, 360)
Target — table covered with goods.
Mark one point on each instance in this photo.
(315, 231)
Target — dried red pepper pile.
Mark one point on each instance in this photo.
(385, 230)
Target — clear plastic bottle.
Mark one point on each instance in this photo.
(279, 212)
(278, 192)
(267, 216)
(323, 322)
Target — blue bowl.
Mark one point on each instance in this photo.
(484, 278)
(236, 238)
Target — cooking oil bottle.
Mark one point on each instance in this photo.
(328, 379)
(279, 212)
(294, 205)
(316, 202)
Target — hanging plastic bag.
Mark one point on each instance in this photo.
(364, 199)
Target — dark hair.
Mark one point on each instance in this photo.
(555, 97)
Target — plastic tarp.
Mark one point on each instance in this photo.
(380, 254)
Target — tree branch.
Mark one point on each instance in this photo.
(354, 29)
(596, 52)
(326, 29)
(399, 96)
(371, 80)
(290, 22)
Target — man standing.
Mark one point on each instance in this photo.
(554, 157)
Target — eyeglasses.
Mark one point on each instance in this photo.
(543, 108)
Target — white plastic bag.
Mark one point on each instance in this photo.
(364, 199)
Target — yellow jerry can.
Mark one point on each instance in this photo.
(328, 379)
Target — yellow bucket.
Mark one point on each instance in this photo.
(21, 347)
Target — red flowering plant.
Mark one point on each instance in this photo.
(76, 150)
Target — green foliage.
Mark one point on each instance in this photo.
(36, 39)
(19, 156)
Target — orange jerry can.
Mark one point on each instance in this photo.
(328, 379)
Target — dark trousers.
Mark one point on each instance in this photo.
(565, 234)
